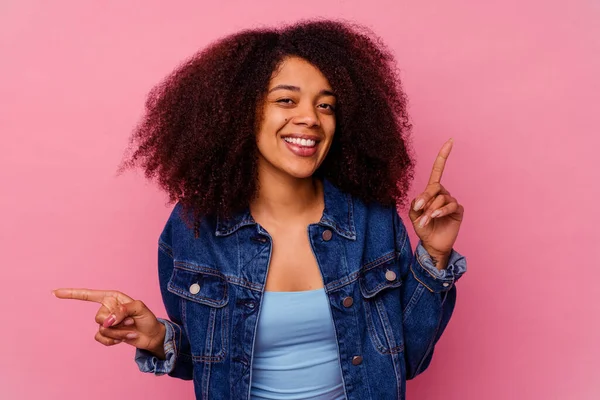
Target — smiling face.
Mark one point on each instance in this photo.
(298, 120)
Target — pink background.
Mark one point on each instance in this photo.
(515, 84)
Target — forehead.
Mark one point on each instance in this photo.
(297, 71)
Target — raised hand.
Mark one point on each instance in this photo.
(435, 214)
(121, 319)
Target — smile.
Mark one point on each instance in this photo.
(301, 142)
(301, 147)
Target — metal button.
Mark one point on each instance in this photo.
(356, 360)
(445, 284)
(390, 275)
(348, 301)
(327, 235)
(195, 288)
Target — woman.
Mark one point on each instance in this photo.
(284, 268)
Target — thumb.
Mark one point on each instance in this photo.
(412, 214)
(134, 309)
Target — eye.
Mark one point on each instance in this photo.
(285, 101)
(327, 106)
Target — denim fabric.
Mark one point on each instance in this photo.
(212, 283)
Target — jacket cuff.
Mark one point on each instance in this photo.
(433, 279)
(148, 362)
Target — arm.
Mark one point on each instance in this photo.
(428, 298)
(178, 360)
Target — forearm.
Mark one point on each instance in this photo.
(424, 324)
(429, 296)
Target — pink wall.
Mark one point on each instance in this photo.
(516, 86)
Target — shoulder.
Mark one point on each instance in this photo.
(180, 225)
(376, 219)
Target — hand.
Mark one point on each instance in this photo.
(121, 319)
(436, 216)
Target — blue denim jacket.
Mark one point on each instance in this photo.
(212, 282)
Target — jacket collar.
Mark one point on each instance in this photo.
(337, 215)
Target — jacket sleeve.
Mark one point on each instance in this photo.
(178, 362)
(428, 299)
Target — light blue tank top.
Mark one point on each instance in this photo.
(295, 353)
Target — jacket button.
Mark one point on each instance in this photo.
(348, 301)
(390, 275)
(195, 288)
(356, 360)
(445, 284)
(327, 235)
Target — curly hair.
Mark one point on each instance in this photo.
(198, 135)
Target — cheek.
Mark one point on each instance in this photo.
(269, 127)
(275, 117)
(329, 128)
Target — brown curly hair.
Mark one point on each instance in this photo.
(198, 136)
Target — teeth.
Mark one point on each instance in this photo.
(301, 142)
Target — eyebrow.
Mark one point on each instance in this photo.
(323, 92)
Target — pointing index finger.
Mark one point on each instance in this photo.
(96, 296)
(440, 162)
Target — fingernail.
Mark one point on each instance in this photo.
(117, 341)
(419, 204)
(131, 335)
(109, 321)
(436, 213)
(128, 322)
(423, 222)
(53, 294)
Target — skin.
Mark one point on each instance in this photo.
(436, 215)
(289, 198)
(299, 100)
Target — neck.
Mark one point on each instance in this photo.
(285, 198)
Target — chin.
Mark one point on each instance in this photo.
(299, 172)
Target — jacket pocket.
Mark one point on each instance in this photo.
(380, 284)
(205, 315)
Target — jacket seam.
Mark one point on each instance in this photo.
(165, 248)
(347, 280)
(431, 344)
(421, 282)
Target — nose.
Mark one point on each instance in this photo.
(306, 115)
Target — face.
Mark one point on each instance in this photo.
(298, 120)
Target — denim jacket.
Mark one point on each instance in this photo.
(212, 282)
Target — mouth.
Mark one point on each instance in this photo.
(302, 145)
(301, 142)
